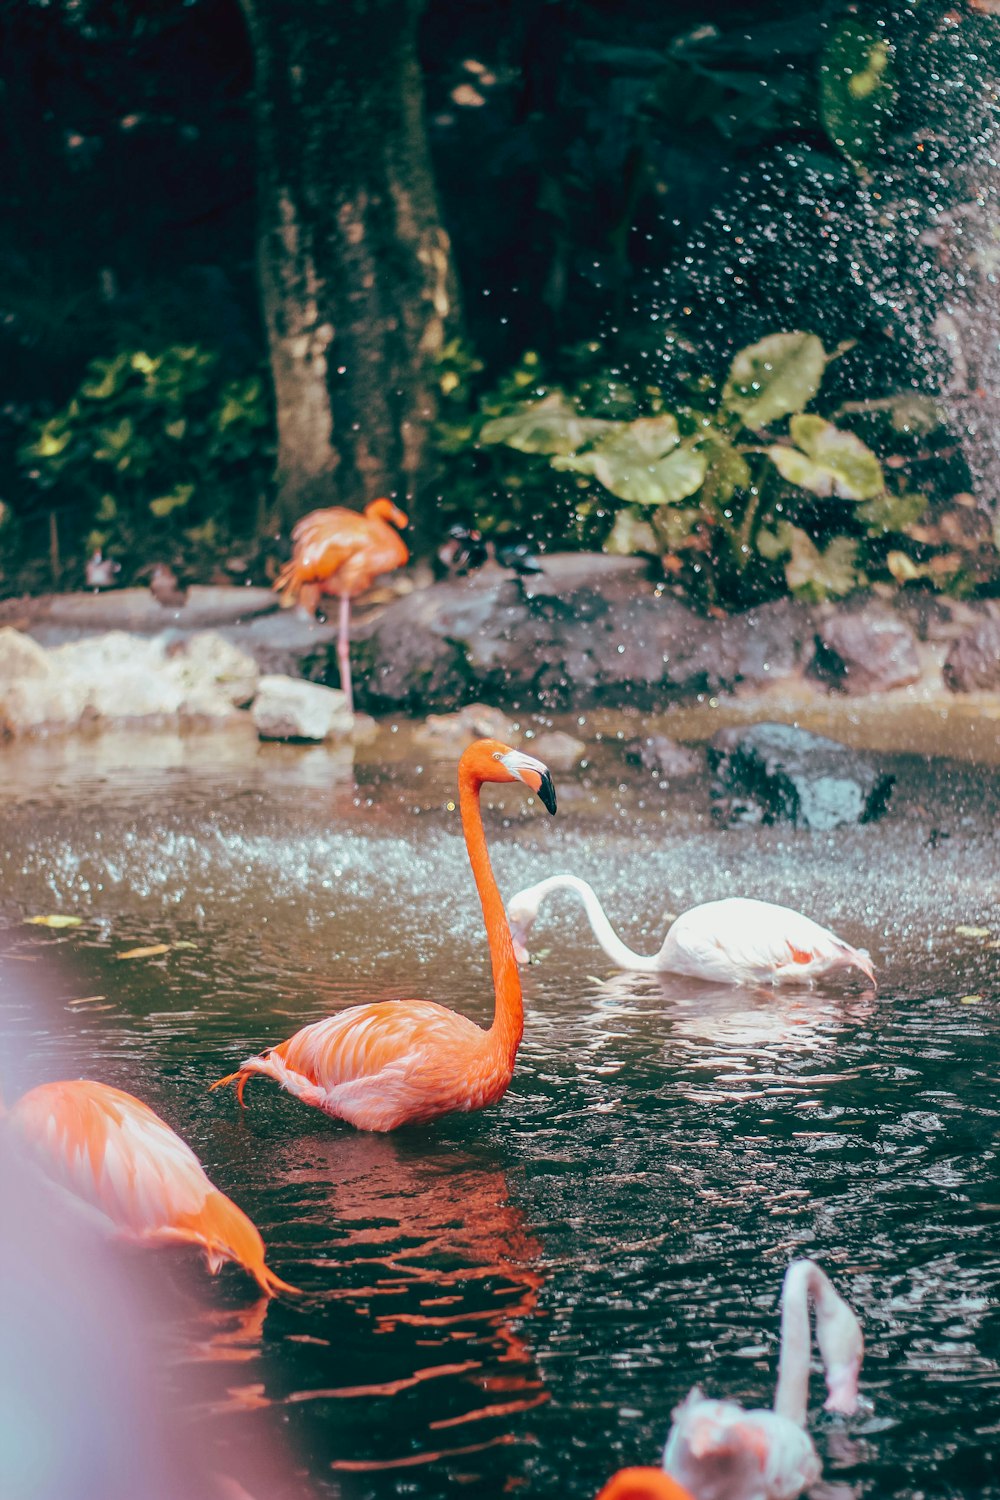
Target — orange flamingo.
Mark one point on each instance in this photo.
(643, 1483)
(110, 1151)
(339, 551)
(403, 1062)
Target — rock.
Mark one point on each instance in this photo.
(445, 736)
(38, 705)
(208, 660)
(21, 657)
(137, 609)
(775, 772)
(558, 750)
(288, 708)
(974, 659)
(663, 757)
(766, 644)
(865, 652)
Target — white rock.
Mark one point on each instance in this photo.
(207, 663)
(20, 656)
(31, 705)
(288, 708)
(98, 657)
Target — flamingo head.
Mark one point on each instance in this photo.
(384, 510)
(491, 760)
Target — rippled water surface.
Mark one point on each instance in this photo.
(512, 1302)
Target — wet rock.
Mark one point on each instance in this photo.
(776, 773)
(288, 708)
(445, 736)
(663, 757)
(974, 660)
(139, 610)
(21, 657)
(559, 751)
(766, 644)
(865, 651)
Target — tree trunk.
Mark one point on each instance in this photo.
(355, 268)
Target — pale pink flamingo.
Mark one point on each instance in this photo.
(139, 1180)
(734, 941)
(721, 1451)
(340, 551)
(403, 1062)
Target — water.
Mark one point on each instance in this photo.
(514, 1301)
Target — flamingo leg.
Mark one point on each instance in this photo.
(344, 650)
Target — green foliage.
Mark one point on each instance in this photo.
(739, 490)
(856, 89)
(154, 449)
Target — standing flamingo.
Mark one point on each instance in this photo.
(110, 1151)
(721, 1451)
(342, 552)
(402, 1062)
(735, 941)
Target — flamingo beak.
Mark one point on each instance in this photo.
(533, 773)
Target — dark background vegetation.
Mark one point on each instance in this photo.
(632, 192)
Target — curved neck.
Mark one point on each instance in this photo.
(508, 1013)
(792, 1395)
(605, 934)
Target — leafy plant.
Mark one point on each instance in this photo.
(743, 493)
(156, 451)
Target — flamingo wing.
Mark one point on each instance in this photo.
(386, 1064)
(114, 1154)
(742, 941)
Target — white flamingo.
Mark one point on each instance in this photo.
(718, 1450)
(735, 941)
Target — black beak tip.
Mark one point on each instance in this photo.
(547, 793)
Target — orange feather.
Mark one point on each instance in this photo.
(110, 1151)
(642, 1483)
(341, 551)
(403, 1062)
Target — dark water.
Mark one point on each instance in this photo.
(512, 1302)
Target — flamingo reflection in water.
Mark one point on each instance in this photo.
(435, 1253)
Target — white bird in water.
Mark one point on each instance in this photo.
(718, 1450)
(735, 941)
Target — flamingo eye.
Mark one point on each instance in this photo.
(497, 755)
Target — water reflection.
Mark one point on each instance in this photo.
(440, 1274)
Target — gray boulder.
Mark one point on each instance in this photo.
(777, 773)
(865, 651)
(974, 659)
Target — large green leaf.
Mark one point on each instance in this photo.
(178, 496)
(856, 89)
(726, 471)
(552, 425)
(827, 460)
(626, 464)
(810, 573)
(631, 534)
(778, 375)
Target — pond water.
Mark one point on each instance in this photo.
(512, 1302)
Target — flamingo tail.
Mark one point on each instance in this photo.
(288, 583)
